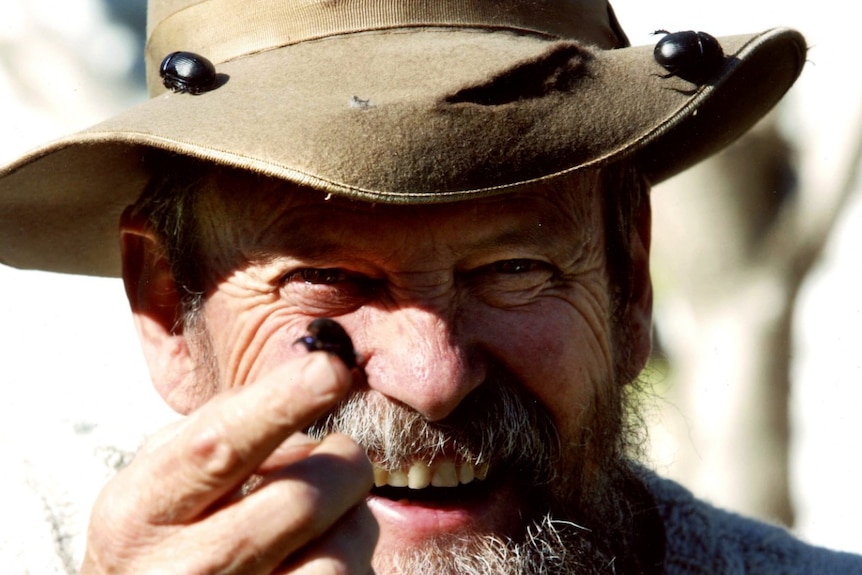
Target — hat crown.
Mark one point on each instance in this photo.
(223, 30)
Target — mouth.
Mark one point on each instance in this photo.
(422, 500)
(441, 483)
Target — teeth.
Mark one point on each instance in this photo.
(397, 479)
(444, 473)
(466, 473)
(482, 471)
(419, 476)
(381, 476)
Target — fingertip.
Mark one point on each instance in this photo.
(346, 446)
(325, 376)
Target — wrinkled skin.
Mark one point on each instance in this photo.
(432, 296)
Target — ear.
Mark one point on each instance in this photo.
(639, 316)
(156, 309)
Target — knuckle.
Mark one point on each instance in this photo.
(304, 512)
(214, 454)
(117, 533)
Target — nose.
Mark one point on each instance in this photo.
(417, 357)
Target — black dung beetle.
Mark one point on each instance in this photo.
(187, 72)
(327, 335)
(692, 56)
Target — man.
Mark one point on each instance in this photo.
(464, 188)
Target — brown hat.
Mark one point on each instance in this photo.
(397, 101)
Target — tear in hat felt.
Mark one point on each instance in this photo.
(415, 114)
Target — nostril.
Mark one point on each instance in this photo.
(555, 71)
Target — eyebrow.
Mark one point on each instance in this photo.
(322, 247)
(300, 237)
(532, 236)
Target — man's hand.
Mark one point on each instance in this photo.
(180, 506)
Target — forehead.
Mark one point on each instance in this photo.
(258, 212)
(239, 198)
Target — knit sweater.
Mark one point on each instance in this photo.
(704, 540)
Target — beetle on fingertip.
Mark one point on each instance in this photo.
(327, 335)
(693, 56)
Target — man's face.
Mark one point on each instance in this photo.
(452, 307)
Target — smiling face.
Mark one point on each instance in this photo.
(489, 395)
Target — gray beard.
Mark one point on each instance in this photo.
(577, 522)
(550, 547)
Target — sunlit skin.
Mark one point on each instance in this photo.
(431, 296)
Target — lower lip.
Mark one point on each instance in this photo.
(497, 512)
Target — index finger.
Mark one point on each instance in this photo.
(221, 444)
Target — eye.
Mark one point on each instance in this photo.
(512, 282)
(518, 266)
(328, 291)
(319, 275)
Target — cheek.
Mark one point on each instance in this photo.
(250, 340)
(558, 352)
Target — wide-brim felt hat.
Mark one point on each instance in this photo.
(390, 101)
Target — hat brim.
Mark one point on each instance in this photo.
(464, 113)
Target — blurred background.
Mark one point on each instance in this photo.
(758, 368)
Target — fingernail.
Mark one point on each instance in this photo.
(321, 377)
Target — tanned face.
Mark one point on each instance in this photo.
(488, 396)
